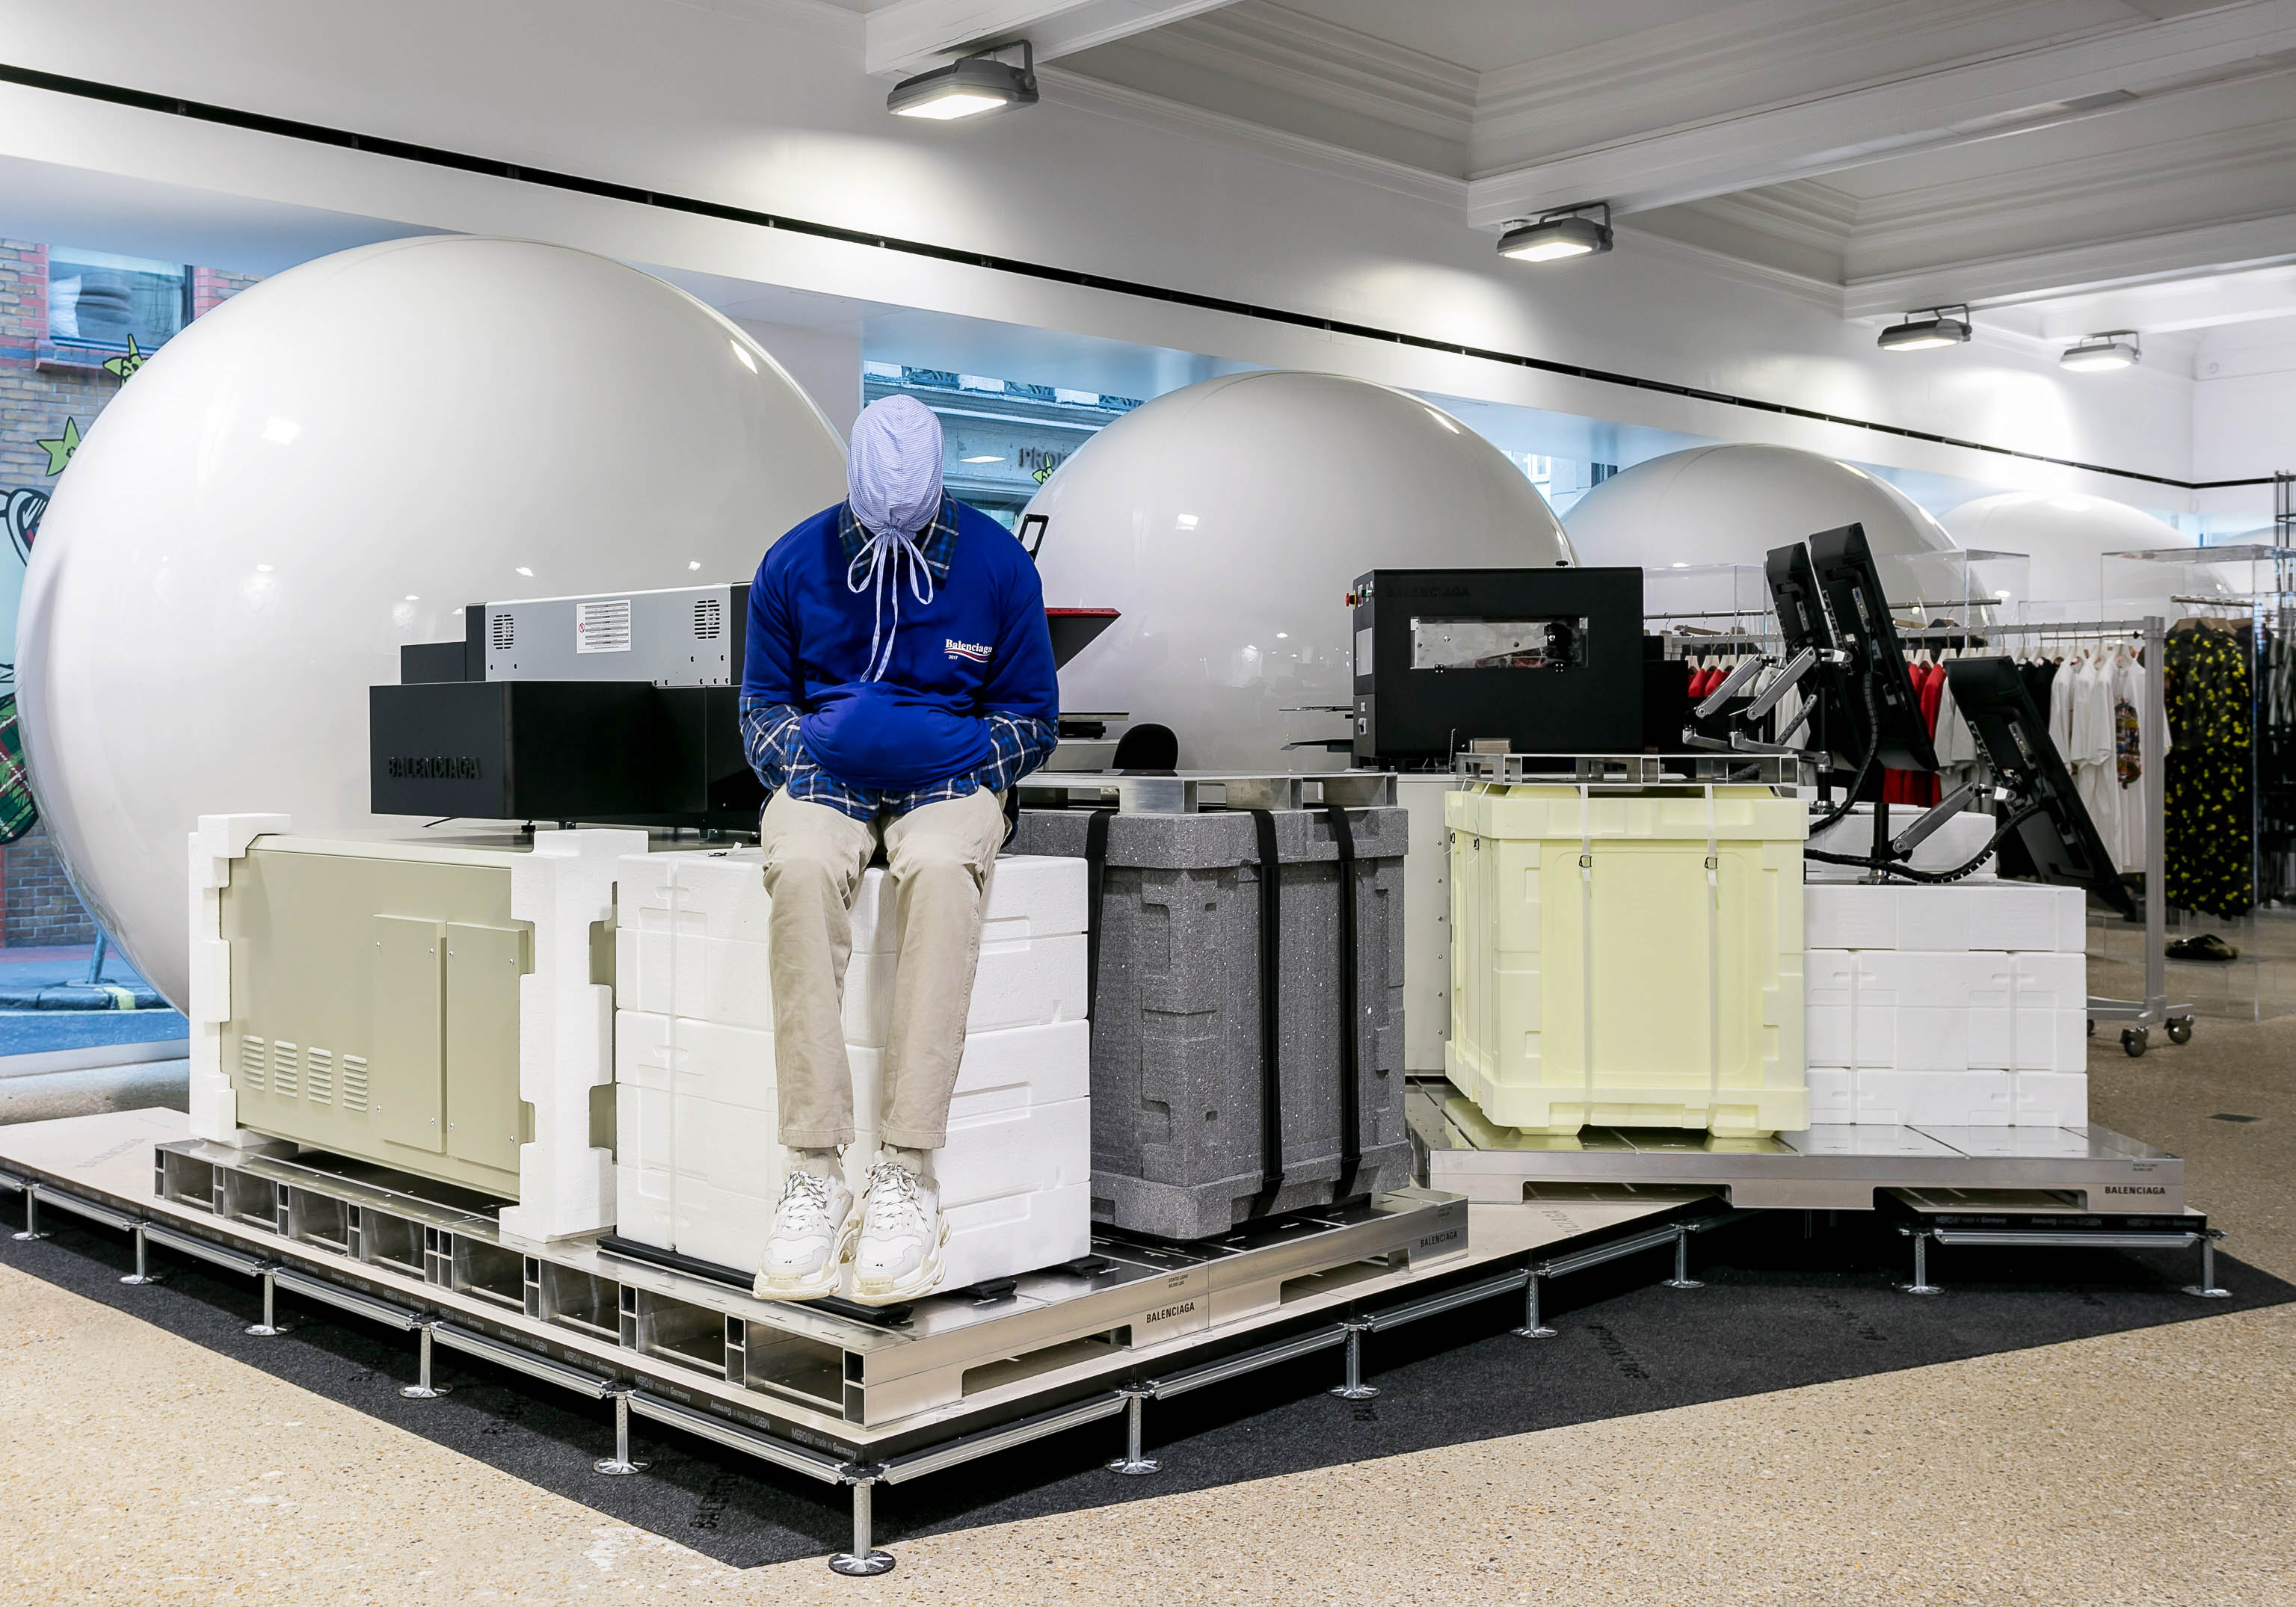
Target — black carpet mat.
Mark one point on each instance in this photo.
(1778, 1311)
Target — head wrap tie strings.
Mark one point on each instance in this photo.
(894, 484)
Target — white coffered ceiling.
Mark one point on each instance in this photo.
(2134, 158)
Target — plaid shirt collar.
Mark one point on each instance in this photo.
(937, 541)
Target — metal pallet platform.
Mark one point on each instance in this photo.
(837, 1398)
(1824, 1169)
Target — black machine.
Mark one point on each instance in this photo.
(1549, 660)
(1865, 694)
(2057, 831)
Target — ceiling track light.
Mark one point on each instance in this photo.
(2091, 354)
(968, 87)
(1927, 328)
(1563, 233)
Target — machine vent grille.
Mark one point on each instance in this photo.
(505, 632)
(254, 1060)
(319, 1077)
(285, 1076)
(354, 1082)
(708, 620)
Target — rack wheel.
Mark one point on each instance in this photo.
(2092, 1029)
(2181, 1028)
(2132, 1039)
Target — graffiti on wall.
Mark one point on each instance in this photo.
(20, 508)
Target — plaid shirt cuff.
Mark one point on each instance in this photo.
(1017, 743)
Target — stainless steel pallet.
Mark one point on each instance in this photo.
(1824, 1169)
(835, 1398)
(1190, 792)
(2041, 1220)
(1604, 771)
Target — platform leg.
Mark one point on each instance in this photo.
(32, 1213)
(1355, 1389)
(864, 1561)
(1921, 1284)
(142, 1273)
(1532, 1328)
(1682, 1278)
(270, 1325)
(619, 1462)
(422, 1389)
(2208, 1288)
(1132, 1462)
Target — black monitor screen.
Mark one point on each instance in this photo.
(2015, 737)
(1840, 720)
(1853, 592)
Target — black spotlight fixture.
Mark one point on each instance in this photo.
(1927, 329)
(1563, 233)
(968, 87)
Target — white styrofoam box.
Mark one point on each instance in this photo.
(1947, 849)
(1001, 1144)
(2051, 1099)
(1015, 1234)
(1036, 896)
(1992, 915)
(1913, 1010)
(1938, 1099)
(1831, 1097)
(1024, 982)
(642, 1206)
(723, 1225)
(727, 1144)
(735, 1065)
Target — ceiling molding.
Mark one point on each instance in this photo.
(1741, 270)
(1949, 105)
(1278, 48)
(910, 35)
(2011, 279)
(1086, 94)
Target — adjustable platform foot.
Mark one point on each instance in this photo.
(1132, 1463)
(270, 1327)
(1921, 1284)
(1355, 1389)
(142, 1273)
(864, 1561)
(2208, 1289)
(422, 1389)
(1682, 1278)
(31, 1215)
(619, 1463)
(1532, 1328)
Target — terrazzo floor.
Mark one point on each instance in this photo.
(2152, 1465)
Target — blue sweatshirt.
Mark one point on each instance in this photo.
(970, 687)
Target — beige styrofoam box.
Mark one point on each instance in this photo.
(721, 893)
(2051, 1099)
(1023, 982)
(1627, 959)
(1831, 1096)
(1990, 916)
(1935, 1099)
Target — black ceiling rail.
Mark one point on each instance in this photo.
(461, 161)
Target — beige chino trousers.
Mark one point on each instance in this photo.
(938, 858)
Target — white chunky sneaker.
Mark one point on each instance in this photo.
(812, 1236)
(898, 1254)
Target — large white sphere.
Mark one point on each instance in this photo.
(1730, 504)
(331, 465)
(1226, 521)
(2065, 538)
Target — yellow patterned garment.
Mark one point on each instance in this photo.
(2207, 826)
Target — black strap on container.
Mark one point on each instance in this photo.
(1271, 1016)
(1096, 860)
(1343, 836)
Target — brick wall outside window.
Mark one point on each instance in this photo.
(40, 388)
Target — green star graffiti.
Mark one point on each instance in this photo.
(125, 365)
(61, 450)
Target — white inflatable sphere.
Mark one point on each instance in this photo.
(331, 465)
(1226, 521)
(2065, 537)
(1730, 504)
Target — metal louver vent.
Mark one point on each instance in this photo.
(354, 1082)
(286, 1075)
(505, 631)
(254, 1062)
(708, 620)
(319, 1077)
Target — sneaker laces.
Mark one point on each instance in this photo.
(804, 1202)
(892, 1197)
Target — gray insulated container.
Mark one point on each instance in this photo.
(1179, 1091)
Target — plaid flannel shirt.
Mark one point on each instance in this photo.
(1016, 743)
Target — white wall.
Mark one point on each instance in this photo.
(761, 103)
(827, 363)
(2244, 416)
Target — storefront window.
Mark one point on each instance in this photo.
(1001, 438)
(98, 299)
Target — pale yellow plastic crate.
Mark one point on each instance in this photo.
(1583, 920)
